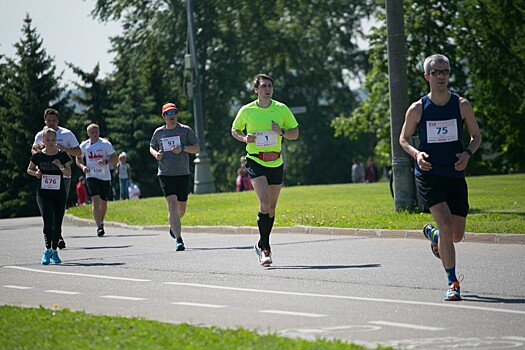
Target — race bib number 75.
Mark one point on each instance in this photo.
(439, 131)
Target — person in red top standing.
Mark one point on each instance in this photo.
(81, 191)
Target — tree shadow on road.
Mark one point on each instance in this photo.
(222, 248)
(103, 247)
(91, 264)
(322, 267)
(494, 300)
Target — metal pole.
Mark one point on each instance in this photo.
(203, 181)
(404, 188)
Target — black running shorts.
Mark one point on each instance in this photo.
(175, 185)
(274, 175)
(99, 187)
(435, 189)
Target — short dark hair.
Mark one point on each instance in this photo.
(51, 111)
(257, 79)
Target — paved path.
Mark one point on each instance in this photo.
(355, 288)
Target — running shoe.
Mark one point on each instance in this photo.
(61, 243)
(54, 258)
(46, 257)
(427, 231)
(100, 230)
(258, 251)
(453, 293)
(180, 246)
(266, 258)
(172, 234)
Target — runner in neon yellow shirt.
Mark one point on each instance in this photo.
(262, 124)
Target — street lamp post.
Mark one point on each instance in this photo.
(203, 181)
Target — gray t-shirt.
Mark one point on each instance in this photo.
(173, 164)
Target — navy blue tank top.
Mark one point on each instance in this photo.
(441, 136)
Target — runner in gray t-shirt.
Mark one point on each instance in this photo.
(170, 145)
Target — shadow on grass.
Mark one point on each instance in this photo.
(322, 267)
(480, 211)
(494, 300)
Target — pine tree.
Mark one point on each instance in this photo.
(28, 85)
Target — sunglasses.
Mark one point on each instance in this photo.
(438, 72)
(170, 113)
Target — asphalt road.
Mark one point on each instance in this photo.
(365, 290)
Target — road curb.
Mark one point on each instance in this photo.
(507, 238)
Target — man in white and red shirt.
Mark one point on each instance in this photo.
(97, 154)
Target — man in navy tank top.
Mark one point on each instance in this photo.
(440, 162)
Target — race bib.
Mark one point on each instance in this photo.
(440, 131)
(50, 182)
(169, 142)
(97, 170)
(265, 139)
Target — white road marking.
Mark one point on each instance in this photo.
(406, 325)
(199, 305)
(291, 313)
(77, 274)
(17, 287)
(122, 298)
(61, 292)
(514, 338)
(346, 297)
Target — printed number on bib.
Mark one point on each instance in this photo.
(98, 171)
(265, 139)
(50, 182)
(439, 131)
(169, 142)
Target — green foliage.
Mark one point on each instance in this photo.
(30, 328)
(497, 205)
(28, 85)
(307, 48)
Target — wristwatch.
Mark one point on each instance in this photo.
(283, 130)
(469, 152)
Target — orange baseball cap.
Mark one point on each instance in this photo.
(168, 106)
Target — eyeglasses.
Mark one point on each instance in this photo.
(438, 72)
(170, 113)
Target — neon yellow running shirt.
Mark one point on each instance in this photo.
(253, 119)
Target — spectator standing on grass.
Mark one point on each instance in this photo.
(440, 162)
(98, 154)
(242, 182)
(50, 165)
(171, 145)
(358, 172)
(66, 142)
(262, 125)
(371, 174)
(124, 175)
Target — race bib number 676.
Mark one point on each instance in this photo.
(50, 182)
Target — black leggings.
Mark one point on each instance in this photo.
(52, 207)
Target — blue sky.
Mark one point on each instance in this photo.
(69, 33)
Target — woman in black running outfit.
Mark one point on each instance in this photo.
(49, 166)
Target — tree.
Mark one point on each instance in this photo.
(28, 85)
(306, 46)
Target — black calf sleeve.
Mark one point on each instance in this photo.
(265, 223)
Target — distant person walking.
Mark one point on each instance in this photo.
(171, 145)
(358, 172)
(440, 162)
(98, 154)
(50, 165)
(262, 125)
(123, 172)
(66, 142)
(371, 173)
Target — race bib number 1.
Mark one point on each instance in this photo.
(169, 142)
(439, 131)
(265, 139)
(50, 182)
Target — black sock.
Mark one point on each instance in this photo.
(265, 226)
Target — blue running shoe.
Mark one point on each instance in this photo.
(180, 246)
(427, 231)
(453, 292)
(54, 258)
(46, 258)
(172, 234)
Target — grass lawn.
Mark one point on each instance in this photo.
(39, 328)
(497, 205)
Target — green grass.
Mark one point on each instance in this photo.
(39, 328)
(497, 205)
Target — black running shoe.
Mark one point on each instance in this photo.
(61, 243)
(100, 231)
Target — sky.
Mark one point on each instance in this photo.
(68, 32)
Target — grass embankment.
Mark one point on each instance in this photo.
(497, 205)
(40, 328)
